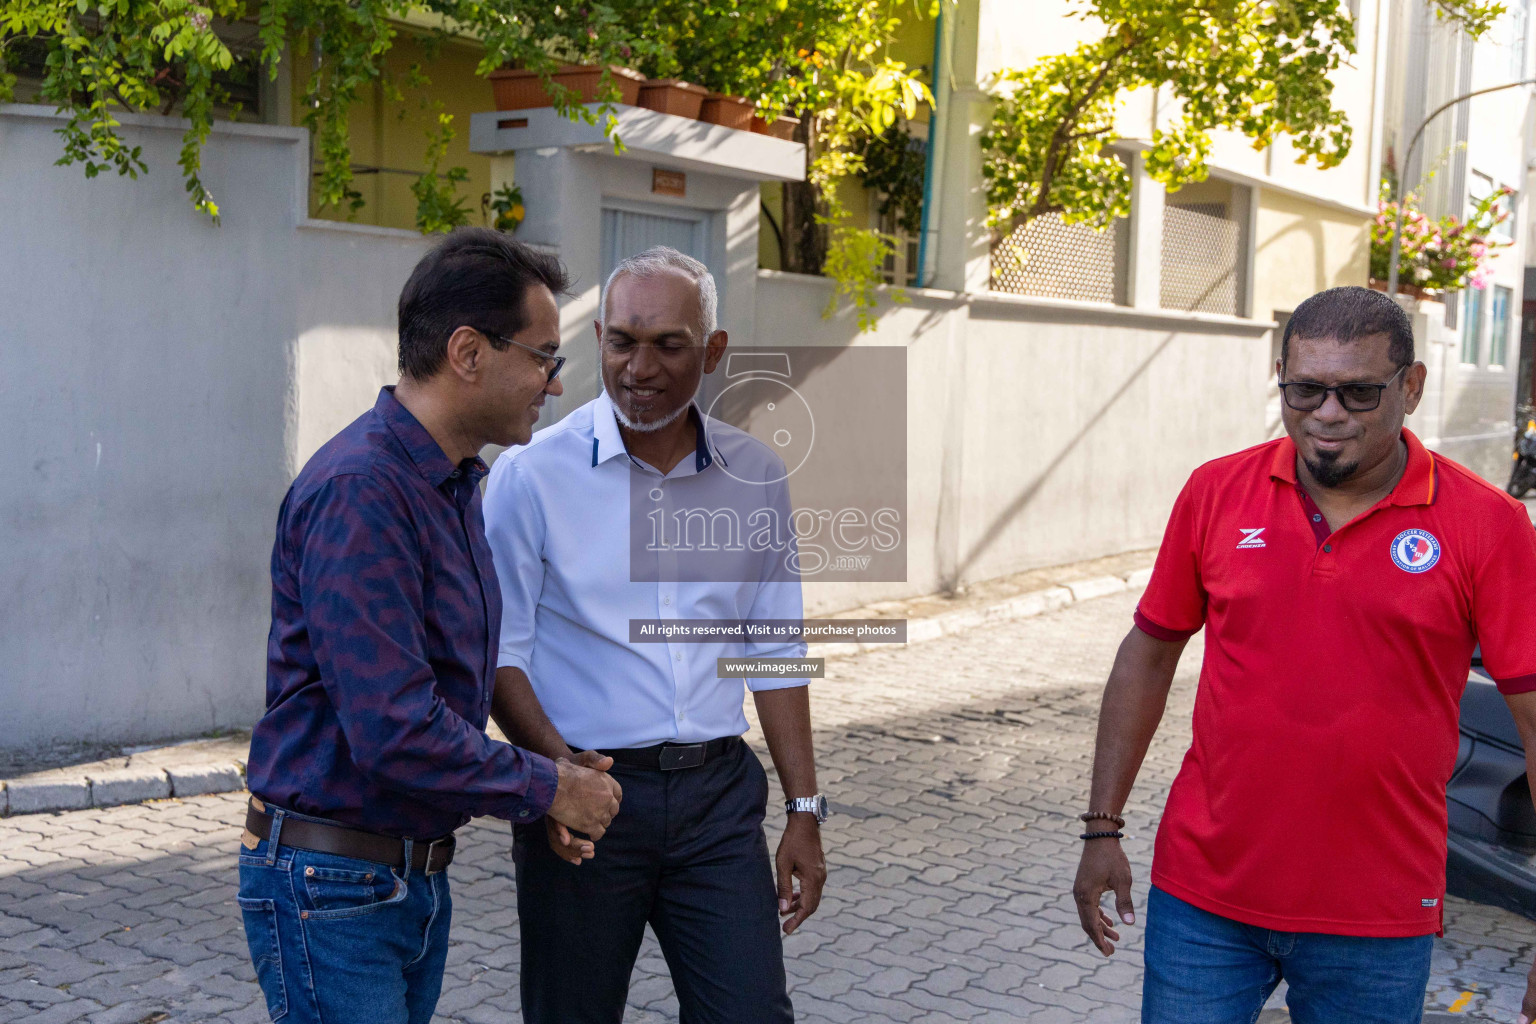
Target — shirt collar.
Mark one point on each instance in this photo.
(430, 461)
(608, 443)
(1417, 487)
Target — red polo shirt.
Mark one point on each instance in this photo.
(1313, 796)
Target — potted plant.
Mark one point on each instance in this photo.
(730, 111)
(672, 96)
(504, 208)
(1442, 255)
(521, 88)
(782, 127)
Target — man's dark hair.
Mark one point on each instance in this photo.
(1347, 314)
(476, 278)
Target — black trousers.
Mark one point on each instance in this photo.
(686, 855)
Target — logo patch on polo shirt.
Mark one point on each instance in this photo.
(1415, 550)
(1252, 538)
(1429, 903)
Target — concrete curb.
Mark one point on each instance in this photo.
(62, 791)
(1020, 606)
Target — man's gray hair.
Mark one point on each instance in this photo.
(659, 259)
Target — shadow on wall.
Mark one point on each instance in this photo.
(1022, 500)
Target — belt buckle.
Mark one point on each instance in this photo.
(426, 867)
(688, 756)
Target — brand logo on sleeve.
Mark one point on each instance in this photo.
(1415, 550)
(1429, 903)
(1252, 538)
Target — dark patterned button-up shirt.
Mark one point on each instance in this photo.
(382, 655)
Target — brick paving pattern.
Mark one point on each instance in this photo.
(956, 767)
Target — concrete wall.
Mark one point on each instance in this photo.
(1038, 432)
(161, 379)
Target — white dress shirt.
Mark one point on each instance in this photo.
(558, 514)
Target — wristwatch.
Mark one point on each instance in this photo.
(816, 805)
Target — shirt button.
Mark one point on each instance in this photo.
(522, 814)
(1328, 547)
(1316, 518)
(667, 599)
(678, 656)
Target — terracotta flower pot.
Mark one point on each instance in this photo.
(672, 96)
(730, 111)
(779, 128)
(520, 89)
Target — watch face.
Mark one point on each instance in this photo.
(821, 808)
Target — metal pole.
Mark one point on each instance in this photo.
(1397, 197)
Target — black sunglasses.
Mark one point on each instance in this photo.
(555, 361)
(1306, 395)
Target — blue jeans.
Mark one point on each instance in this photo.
(343, 941)
(1205, 969)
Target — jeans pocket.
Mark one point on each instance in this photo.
(357, 907)
(260, 918)
(339, 888)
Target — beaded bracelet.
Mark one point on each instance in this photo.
(1102, 816)
(1102, 835)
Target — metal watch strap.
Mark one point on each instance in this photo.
(816, 805)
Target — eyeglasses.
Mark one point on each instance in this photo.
(554, 362)
(1306, 395)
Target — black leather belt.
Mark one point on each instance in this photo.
(669, 757)
(428, 857)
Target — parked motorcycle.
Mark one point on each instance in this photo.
(1523, 477)
(1491, 855)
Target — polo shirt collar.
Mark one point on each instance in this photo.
(428, 457)
(1417, 487)
(608, 443)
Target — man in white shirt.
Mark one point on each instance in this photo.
(566, 517)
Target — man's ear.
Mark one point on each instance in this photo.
(1413, 381)
(597, 331)
(466, 352)
(714, 348)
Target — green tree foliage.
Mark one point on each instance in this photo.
(1262, 68)
(821, 59)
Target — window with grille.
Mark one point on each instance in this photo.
(1472, 325)
(1498, 334)
(1053, 259)
(1204, 249)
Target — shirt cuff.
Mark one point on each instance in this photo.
(758, 684)
(512, 659)
(543, 780)
(1517, 684)
(1158, 632)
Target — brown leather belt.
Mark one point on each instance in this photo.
(426, 857)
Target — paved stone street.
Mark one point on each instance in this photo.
(956, 766)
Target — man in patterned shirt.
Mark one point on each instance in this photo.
(382, 657)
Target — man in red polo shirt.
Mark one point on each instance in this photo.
(1344, 575)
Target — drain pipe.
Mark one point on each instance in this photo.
(939, 77)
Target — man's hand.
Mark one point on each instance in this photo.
(586, 799)
(574, 849)
(1103, 867)
(800, 857)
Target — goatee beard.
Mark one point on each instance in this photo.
(1329, 472)
(648, 427)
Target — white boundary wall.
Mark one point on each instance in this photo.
(162, 378)
(1038, 432)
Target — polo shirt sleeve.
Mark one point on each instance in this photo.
(1173, 606)
(514, 528)
(1501, 609)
